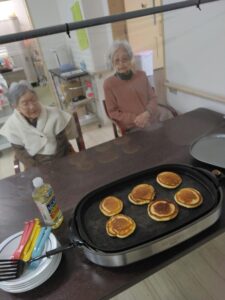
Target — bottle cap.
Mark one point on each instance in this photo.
(37, 182)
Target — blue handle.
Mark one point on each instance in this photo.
(43, 241)
(39, 247)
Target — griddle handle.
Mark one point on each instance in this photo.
(59, 250)
(219, 175)
(215, 175)
(73, 235)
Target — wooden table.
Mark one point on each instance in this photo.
(74, 176)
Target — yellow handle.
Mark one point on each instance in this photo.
(27, 252)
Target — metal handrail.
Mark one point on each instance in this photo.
(194, 92)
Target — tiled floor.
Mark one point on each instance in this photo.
(199, 275)
(93, 135)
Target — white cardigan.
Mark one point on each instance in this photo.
(40, 139)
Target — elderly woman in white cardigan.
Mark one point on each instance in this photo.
(38, 134)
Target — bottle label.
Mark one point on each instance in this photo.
(50, 212)
(45, 213)
(53, 208)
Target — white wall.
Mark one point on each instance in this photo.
(49, 13)
(100, 36)
(21, 13)
(19, 51)
(76, 54)
(43, 14)
(195, 53)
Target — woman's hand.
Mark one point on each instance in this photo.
(142, 120)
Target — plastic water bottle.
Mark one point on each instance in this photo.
(44, 197)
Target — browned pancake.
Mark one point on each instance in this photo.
(188, 197)
(169, 180)
(142, 194)
(162, 210)
(120, 226)
(111, 206)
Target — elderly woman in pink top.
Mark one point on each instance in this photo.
(129, 97)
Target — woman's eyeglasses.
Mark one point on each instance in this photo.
(27, 104)
(123, 60)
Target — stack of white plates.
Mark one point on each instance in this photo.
(30, 278)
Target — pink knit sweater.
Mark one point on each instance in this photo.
(126, 99)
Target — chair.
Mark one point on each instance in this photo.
(122, 130)
(79, 140)
(118, 129)
(16, 164)
(169, 108)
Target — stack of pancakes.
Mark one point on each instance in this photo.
(142, 194)
(188, 197)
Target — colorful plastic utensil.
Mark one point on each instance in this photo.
(40, 236)
(24, 238)
(27, 251)
(12, 269)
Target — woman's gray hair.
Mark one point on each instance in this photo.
(117, 45)
(17, 90)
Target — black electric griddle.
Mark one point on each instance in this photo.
(89, 223)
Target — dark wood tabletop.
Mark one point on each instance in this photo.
(74, 176)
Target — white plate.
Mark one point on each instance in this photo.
(8, 247)
(31, 286)
(14, 283)
(31, 277)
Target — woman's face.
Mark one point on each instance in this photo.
(29, 105)
(121, 61)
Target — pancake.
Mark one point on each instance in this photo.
(120, 226)
(188, 197)
(162, 210)
(169, 180)
(111, 206)
(142, 194)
